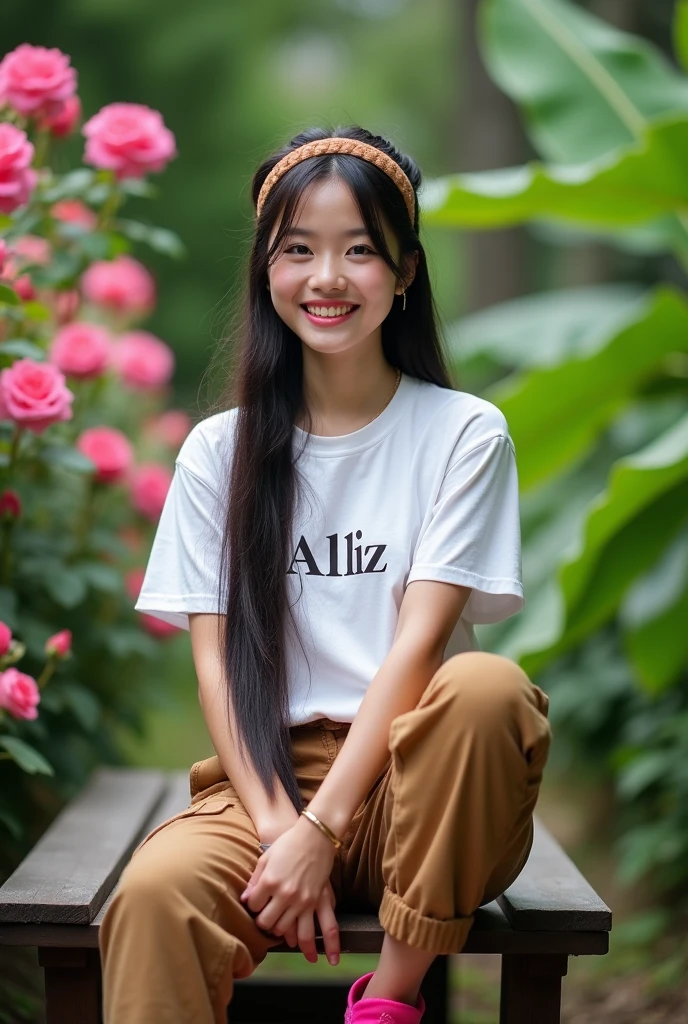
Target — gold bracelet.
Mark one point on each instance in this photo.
(323, 828)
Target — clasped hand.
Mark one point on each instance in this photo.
(291, 882)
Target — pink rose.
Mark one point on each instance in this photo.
(4, 253)
(59, 644)
(34, 395)
(109, 449)
(171, 428)
(156, 627)
(128, 138)
(149, 485)
(65, 122)
(24, 288)
(17, 178)
(81, 350)
(133, 581)
(5, 638)
(143, 360)
(122, 284)
(66, 303)
(32, 249)
(73, 211)
(36, 81)
(10, 504)
(19, 693)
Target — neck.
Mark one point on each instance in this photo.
(344, 394)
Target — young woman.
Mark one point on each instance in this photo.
(342, 515)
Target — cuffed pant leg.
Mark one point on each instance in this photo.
(450, 825)
(176, 935)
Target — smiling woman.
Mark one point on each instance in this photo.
(342, 514)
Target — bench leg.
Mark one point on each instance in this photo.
(72, 985)
(531, 988)
(435, 990)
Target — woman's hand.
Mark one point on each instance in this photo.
(289, 883)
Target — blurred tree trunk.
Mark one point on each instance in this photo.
(487, 134)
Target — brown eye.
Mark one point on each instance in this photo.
(361, 246)
(298, 245)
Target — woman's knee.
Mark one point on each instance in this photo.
(484, 681)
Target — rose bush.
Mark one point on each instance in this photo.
(84, 469)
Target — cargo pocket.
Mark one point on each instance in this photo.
(214, 803)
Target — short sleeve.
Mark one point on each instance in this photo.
(472, 536)
(182, 571)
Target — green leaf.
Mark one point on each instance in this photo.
(124, 641)
(628, 186)
(101, 577)
(642, 772)
(680, 32)
(83, 703)
(22, 348)
(658, 650)
(13, 826)
(95, 245)
(62, 269)
(566, 322)
(159, 239)
(139, 187)
(25, 756)
(584, 86)
(8, 606)
(557, 412)
(67, 458)
(74, 184)
(652, 844)
(622, 534)
(66, 586)
(658, 590)
(9, 296)
(635, 482)
(653, 616)
(36, 311)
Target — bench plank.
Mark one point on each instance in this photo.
(69, 872)
(551, 894)
(175, 800)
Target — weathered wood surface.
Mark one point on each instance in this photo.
(551, 894)
(67, 875)
(59, 894)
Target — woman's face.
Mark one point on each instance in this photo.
(329, 264)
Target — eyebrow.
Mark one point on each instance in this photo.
(306, 233)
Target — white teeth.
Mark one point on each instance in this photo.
(329, 310)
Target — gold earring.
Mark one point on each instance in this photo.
(403, 306)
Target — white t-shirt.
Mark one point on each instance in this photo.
(427, 490)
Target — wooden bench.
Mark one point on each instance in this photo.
(57, 896)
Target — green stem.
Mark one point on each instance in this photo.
(6, 552)
(46, 674)
(42, 148)
(109, 208)
(84, 521)
(14, 447)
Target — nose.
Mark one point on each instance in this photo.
(326, 275)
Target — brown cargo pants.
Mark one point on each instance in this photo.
(445, 828)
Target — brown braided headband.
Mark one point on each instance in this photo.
(352, 147)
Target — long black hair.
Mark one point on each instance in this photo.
(265, 394)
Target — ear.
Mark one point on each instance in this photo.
(409, 265)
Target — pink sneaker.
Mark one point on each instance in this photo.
(379, 1011)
